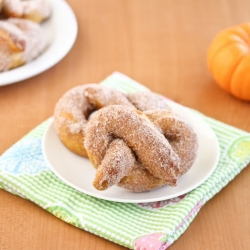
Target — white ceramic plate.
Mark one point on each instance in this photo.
(60, 31)
(79, 173)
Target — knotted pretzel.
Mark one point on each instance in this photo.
(130, 148)
(133, 140)
(73, 110)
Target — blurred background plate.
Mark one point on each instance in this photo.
(61, 32)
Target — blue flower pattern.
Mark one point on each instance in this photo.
(26, 157)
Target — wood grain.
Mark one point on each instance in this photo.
(163, 45)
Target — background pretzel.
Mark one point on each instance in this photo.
(35, 10)
(21, 41)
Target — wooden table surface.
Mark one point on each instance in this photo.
(163, 45)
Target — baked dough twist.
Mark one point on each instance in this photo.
(131, 149)
(75, 107)
(117, 137)
(35, 10)
(180, 135)
(136, 150)
(21, 41)
(147, 100)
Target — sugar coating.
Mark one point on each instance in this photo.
(117, 163)
(21, 41)
(74, 108)
(14, 32)
(147, 100)
(180, 135)
(37, 10)
(10, 32)
(149, 146)
(139, 151)
(35, 42)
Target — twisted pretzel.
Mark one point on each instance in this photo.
(129, 148)
(73, 110)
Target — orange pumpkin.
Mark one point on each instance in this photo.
(229, 60)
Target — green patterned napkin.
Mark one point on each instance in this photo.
(156, 225)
